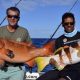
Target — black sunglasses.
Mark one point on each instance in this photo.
(13, 16)
(69, 23)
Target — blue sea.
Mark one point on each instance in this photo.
(39, 41)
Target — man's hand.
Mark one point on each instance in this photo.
(52, 61)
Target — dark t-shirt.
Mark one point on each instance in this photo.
(60, 42)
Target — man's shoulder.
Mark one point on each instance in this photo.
(78, 32)
(60, 37)
(2, 27)
(22, 29)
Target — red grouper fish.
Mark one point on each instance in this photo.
(23, 52)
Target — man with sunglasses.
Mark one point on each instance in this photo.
(70, 34)
(70, 72)
(12, 31)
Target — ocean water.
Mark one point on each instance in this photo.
(39, 41)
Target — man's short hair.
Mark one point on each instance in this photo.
(13, 9)
(66, 15)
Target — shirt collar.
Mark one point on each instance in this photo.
(71, 34)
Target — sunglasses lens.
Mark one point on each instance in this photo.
(13, 16)
(69, 23)
(16, 17)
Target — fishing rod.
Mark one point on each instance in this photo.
(17, 3)
(72, 41)
(5, 17)
(60, 24)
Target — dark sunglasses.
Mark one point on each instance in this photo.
(69, 23)
(13, 16)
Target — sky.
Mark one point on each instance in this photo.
(42, 17)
